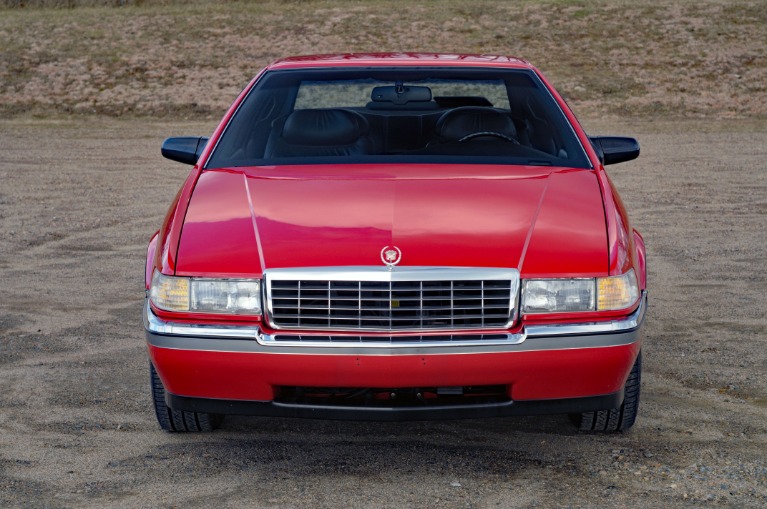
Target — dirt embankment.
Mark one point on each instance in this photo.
(685, 58)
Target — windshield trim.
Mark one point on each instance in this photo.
(397, 158)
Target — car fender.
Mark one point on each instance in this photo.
(149, 261)
(641, 259)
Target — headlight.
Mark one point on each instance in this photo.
(557, 295)
(203, 295)
(617, 292)
(572, 295)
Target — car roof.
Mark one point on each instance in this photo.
(399, 59)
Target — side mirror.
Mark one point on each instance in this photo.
(615, 149)
(184, 149)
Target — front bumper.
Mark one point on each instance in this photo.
(545, 369)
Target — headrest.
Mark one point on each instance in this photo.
(460, 122)
(323, 127)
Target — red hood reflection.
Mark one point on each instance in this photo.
(244, 220)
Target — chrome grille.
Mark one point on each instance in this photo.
(408, 298)
(394, 340)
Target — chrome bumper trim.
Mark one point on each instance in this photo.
(239, 346)
(156, 325)
(535, 337)
(271, 340)
(631, 322)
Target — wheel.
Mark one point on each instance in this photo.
(178, 420)
(616, 419)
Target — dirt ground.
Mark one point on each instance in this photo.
(83, 186)
(80, 198)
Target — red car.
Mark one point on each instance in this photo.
(395, 237)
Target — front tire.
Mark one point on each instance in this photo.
(178, 420)
(616, 419)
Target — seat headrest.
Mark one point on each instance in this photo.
(460, 122)
(324, 127)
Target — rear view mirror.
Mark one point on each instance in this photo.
(615, 149)
(401, 94)
(184, 149)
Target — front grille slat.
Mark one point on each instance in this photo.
(380, 305)
(293, 338)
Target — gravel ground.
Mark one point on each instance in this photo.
(78, 202)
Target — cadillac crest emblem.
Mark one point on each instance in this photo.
(391, 256)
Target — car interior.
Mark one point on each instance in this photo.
(396, 120)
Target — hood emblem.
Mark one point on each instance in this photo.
(391, 256)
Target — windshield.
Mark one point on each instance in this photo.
(417, 115)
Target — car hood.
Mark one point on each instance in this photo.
(544, 221)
